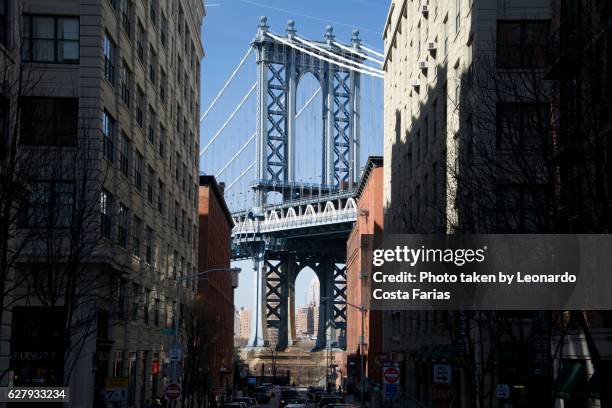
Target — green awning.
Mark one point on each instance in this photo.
(570, 376)
(434, 353)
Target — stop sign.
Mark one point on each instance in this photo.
(391, 375)
(442, 392)
(172, 392)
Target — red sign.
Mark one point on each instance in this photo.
(442, 393)
(155, 366)
(173, 392)
(391, 375)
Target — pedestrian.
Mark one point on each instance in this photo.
(156, 403)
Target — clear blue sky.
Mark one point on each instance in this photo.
(228, 29)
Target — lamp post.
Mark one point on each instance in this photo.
(363, 311)
(177, 311)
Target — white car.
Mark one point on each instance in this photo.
(295, 406)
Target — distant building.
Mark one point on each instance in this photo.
(216, 289)
(242, 324)
(312, 297)
(303, 321)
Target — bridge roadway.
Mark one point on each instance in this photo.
(319, 223)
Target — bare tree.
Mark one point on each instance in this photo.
(200, 340)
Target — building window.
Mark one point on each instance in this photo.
(135, 296)
(162, 141)
(136, 236)
(50, 39)
(120, 292)
(108, 135)
(522, 127)
(457, 15)
(156, 314)
(51, 204)
(122, 227)
(138, 169)
(126, 83)
(49, 121)
(124, 154)
(177, 168)
(140, 42)
(160, 196)
(126, 18)
(152, 64)
(522, 44)
(139, 106)
(152, 123)
(176, 215)
(150, 183)
(153, 11)
(106, 204)
(110, 53)
(162, 85)
(163, 30)
(149, 246)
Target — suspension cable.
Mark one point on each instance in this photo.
(356, 51)
(339, 57)
(308, 102)
(227, 82)
(231, 116)
(240, 176)
(304, 50)
(244, 146)
(372, 51)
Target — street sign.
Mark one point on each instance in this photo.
(442, 373)
(391, 375)
(442, 393)
(391, 390)
(172, 392)
(175, 354)
(115, 389)
(503, 391)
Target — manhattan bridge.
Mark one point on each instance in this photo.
(290, 153)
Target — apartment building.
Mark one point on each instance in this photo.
(216, 289)
(108, 114)
(466, 111)
(366, 234)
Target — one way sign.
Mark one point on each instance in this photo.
(442, 373)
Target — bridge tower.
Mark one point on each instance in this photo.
(278, 259)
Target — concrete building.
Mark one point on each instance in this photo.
(109, 112)
(366, 233)
(243, 324)
(216, 289)
(302, 317)
(455, 87)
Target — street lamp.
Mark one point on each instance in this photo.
(363, 311)
(177, 311)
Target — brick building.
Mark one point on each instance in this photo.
(217, 288)
(369, 225)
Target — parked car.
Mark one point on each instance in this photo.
(288, 396)
(249, 402)
(342, 405)
(232, 405)
(311, 391)
(319, 394)
(296, 405)
(270, 388)
(329, 400)
(261, 394)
